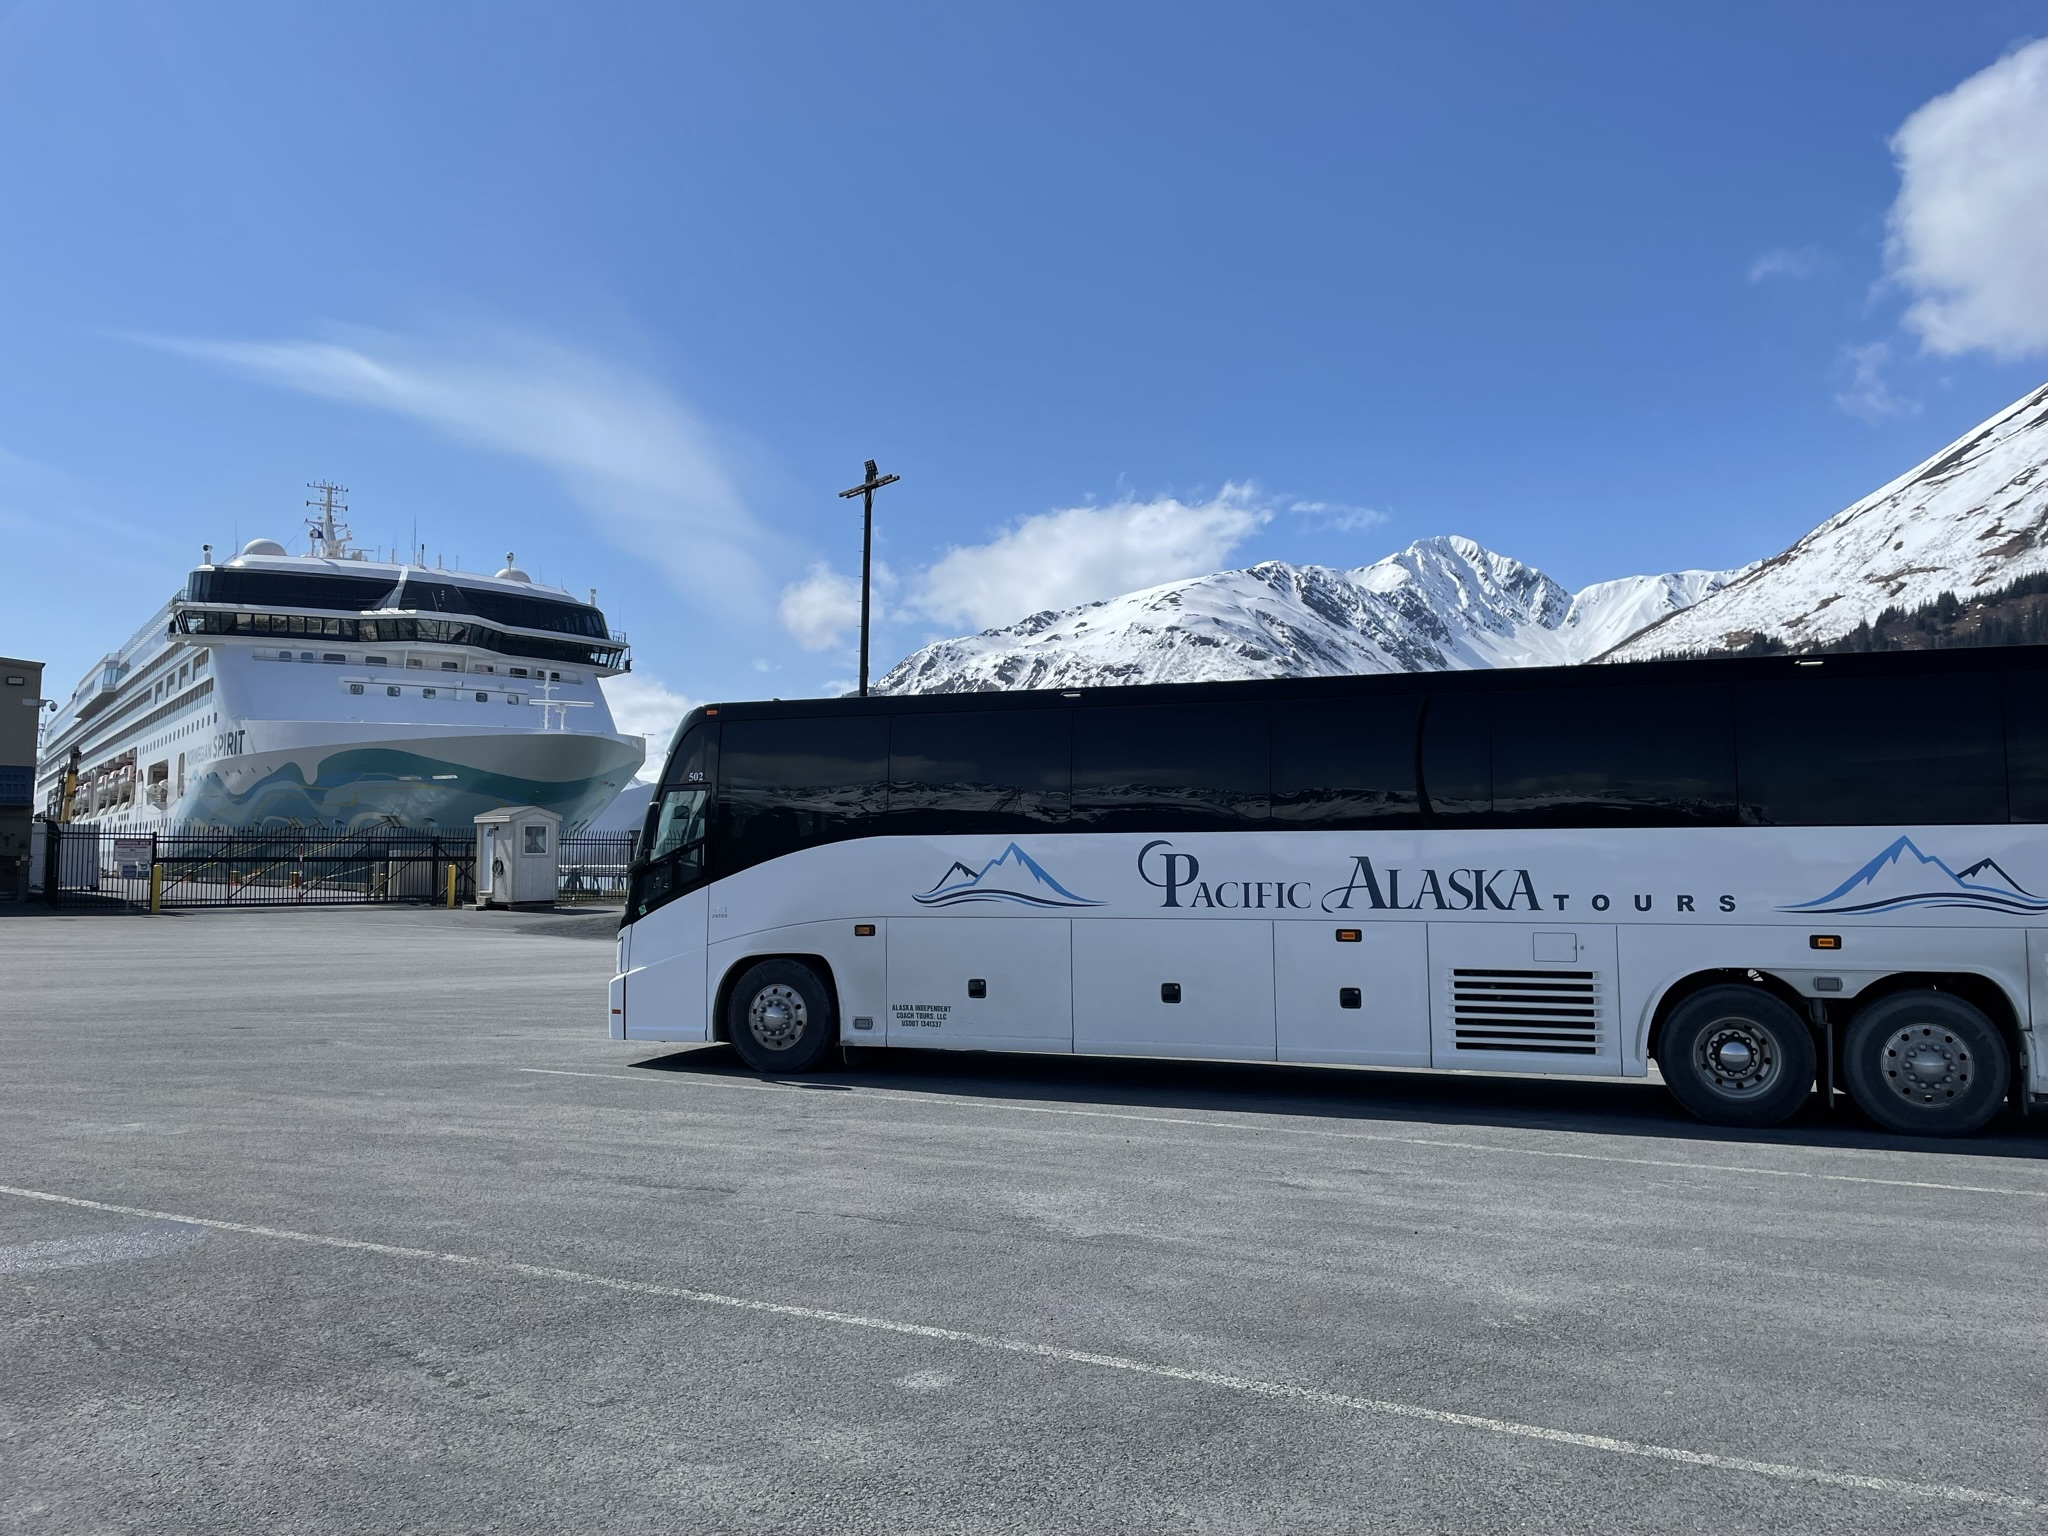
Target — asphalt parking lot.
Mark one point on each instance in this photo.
(355, 1221)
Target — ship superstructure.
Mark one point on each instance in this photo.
(333, 692)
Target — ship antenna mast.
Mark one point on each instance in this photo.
(329, 538)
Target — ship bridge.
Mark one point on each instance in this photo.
(261, 596)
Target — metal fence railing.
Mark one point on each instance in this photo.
(86, 866)
(593, 867)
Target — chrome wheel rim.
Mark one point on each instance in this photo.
(777, 1016)
(1738, 1058)
(1925, 1064)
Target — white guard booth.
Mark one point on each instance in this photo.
(517, 857)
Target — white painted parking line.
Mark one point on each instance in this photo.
(1950, 1492)
(658, 1078)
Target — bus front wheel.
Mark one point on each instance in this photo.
(780, 1017)
(1736, 1055)
(1925, 1063)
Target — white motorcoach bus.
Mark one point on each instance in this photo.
(1752, 872)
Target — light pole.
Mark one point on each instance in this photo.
(866, 492)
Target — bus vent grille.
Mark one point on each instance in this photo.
(1551, 1013)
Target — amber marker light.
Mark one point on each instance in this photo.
(1350, 935)
(863, 930)
(1824, 941)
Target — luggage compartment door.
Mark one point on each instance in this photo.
(1152, 987)
(1362, 999)
(978, 983)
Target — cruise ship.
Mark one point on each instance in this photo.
(332, 692)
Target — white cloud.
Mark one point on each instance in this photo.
(823, 610)
(1803, 262)
(645, 706)
(639, 460)
(1079, 554)
(1866, 394)
(1338, 516)
(1969, 231)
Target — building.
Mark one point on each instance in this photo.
(21, 711)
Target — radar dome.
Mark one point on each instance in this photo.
(263, 547)
(511, 571)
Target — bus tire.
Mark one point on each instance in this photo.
(1926, 1063)
(780, 1017)
(1736, 1055)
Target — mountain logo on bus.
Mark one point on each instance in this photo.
(1012, 876)
(1903, 877)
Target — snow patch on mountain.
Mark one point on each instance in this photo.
(1439, 604)
(1971, 519)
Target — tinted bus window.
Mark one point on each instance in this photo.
(1345, 762)
(2026, 745)
(1457, 766)
(1851, 751)
(677, 814)
(1001, 771)
(1171, 767)
(790, 784)
(1598, 757)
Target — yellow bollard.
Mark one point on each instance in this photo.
(156, 888)
(451, 887)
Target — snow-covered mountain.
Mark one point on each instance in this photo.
(1440, 603)
(1971, 519)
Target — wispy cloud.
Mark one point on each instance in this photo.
(56, 510)
(1338, 516)
(1802, 262)
(1866, 394)
(1969, 231)
(640, 461)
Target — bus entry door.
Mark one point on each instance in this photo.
(982, 984)
(665, 981)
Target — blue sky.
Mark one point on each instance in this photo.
(1123, 292)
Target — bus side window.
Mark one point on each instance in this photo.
(986, 771)
(1613, 757)
(2026, 745)
(1172, 767)
(784, 785)
(1457, 765)
(1345, 762)
(1865, 751)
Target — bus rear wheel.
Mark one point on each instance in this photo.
(1926, 1063)
(1736, 1055)
(780, 1017)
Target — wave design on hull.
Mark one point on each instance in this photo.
(377, 786)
